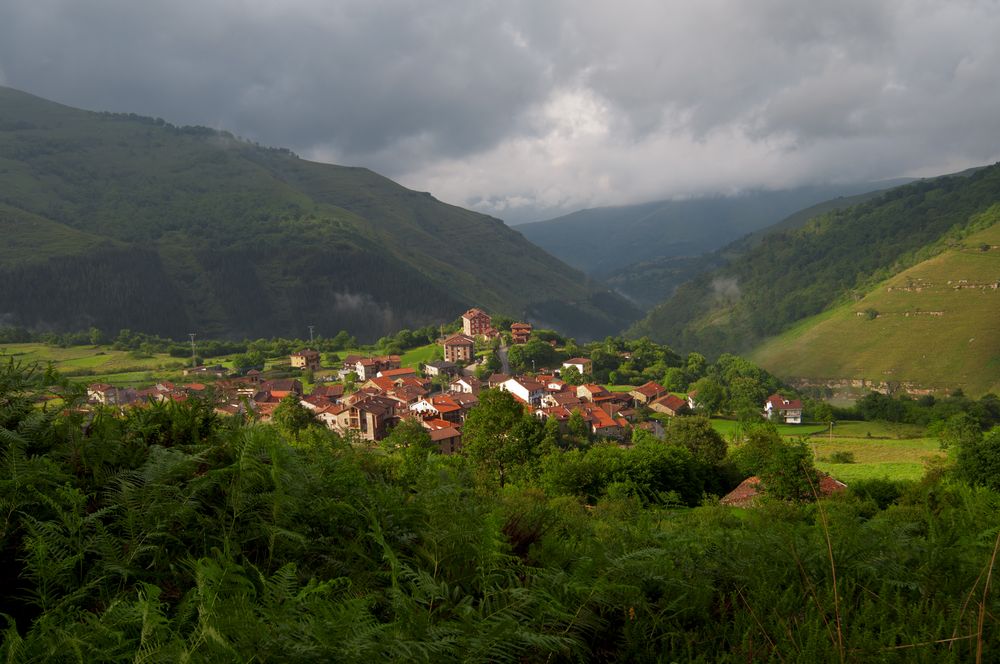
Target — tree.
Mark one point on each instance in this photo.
(571, 375)
(291, 416)
(95, 336)
(244, 362)
(675, 379)
(785, 469)
(978, 461)
(697, 435)
(710, 395)
(487, 438)
(413, 443)
(551, 436)
(578, 428)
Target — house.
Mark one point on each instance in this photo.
(459, 348)
(216, 370)
(279, 389)
(336, 417)
(496, 380)
(477, 323)
(692, 399)
(565, 399)
(373, 417)
(749, 492)
(331, 392)
(590, 391)
(441, 367)
(448, 439)
(788, 411)
(393, 374)
(109, 395)
(447, 436)
(465, 385)
(520, 332)
(647, 393)
(528, 390)
(604, 424)
(440, 407)
(581, 364)
(366, 368)
(669, 405)
(307, 359)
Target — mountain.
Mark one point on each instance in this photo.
(935, 325)
(837, 257)
(118, 221)
(603, 240)
(649, 282)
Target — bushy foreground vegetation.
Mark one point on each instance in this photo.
(169, 534)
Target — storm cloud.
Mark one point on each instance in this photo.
(524, 109)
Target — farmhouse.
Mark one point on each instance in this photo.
(647, 393)
(669, 405)
(750, 491)
(306, 359)
(581, 364)
(788, 411)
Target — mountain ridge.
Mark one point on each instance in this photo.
(244, 240)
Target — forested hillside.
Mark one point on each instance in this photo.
(601, 241)
(836, 257)
(120, 221)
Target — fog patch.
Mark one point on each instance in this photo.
(726, 288)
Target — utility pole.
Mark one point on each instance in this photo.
(194, 356)
(310, 335)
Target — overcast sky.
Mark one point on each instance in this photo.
(531, 109)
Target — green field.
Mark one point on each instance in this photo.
(936, 325)
(420, 355)
(880, 449)
(91, 363)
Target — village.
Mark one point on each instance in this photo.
(373, 394)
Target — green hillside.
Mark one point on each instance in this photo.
(836, 257)
(648, 283)
(603, 240)
(935, 325)
(123, 221)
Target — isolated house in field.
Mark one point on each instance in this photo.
(750, 491)
(459, 348)
(669, 405)
(785, 410)
(306, 359)
(477, 323)
(520, 332)
(581, 364)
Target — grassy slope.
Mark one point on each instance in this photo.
(801, 272)
(249, 240)
(933, 334)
